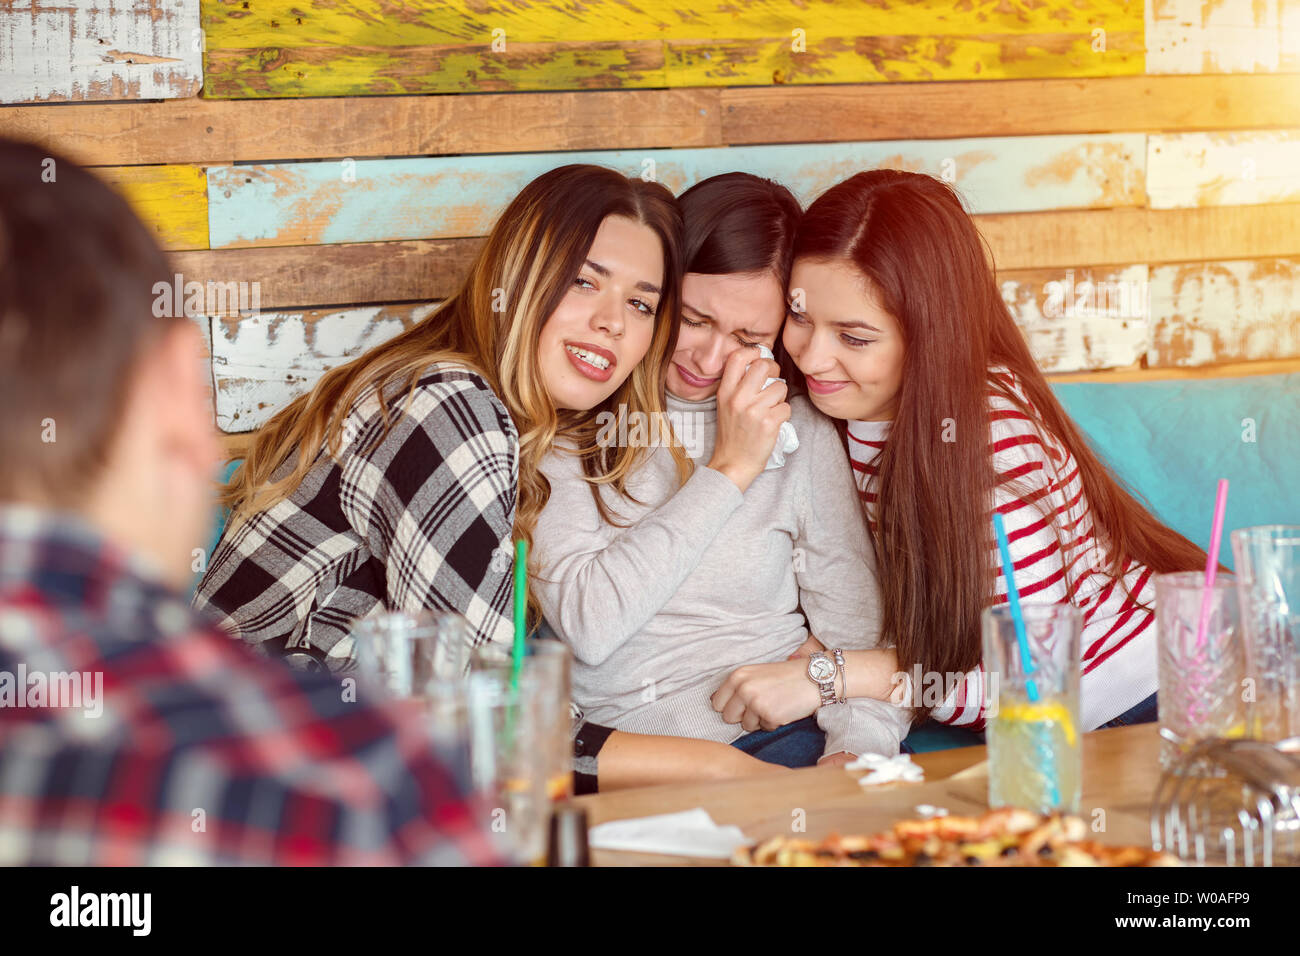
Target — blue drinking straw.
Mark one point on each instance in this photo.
(1022, 639)
(1013, 598)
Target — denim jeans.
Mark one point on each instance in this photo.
(797, 744)
(1143, 712)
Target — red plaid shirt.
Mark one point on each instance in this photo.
(133, 732)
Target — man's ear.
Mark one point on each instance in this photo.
(179, 399)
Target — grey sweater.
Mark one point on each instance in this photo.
(703, 580)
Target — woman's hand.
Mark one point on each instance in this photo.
(836, 760)
(767, 696)
(807, 648)
(749, 416)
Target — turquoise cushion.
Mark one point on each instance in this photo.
(1172, 441)
(219, 516)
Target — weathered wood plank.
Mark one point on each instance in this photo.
(250, 394)
(379, 272)
(307, 203)
(901, 59)
(260, 363)
(1227, 36)
(1288, 54)
(1081, 319)
(459, 68)
(172, 201)
(229, 131)
(98, 50)
(1013, 107)
(1223, 169)
(353, 71)
(382, 23)
(306, 276)
(1118, 236)
(234, 444)
(1225, 370)
(199, 130)
(319, 48)
(1211, 312)
(1089, 319)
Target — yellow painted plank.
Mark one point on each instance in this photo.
(353, 71)
(390, 23)
(368, 71)
(877, 59)
(172, 200)
(263, 48)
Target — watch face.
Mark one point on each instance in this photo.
(821, 669)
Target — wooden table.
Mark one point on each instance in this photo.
(1121, 768)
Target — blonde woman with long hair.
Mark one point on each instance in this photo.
(402, 477)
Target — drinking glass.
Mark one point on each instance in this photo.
(1033, 711)
(1268, 585)
(1201, 692)
(521, 741)
(402, 652)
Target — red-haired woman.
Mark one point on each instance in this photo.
(900, 332)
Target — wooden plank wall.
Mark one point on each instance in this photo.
(1135, 167)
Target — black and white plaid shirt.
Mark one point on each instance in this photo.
(423, 520)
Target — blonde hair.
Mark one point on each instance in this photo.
(528, 263)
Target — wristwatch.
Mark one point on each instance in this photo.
(821, 671)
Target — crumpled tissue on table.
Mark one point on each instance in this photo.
(887, 769)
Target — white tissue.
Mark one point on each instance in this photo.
(887, 769)
(786, 441)
(689, 833)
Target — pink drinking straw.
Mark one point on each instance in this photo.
(1212, 561)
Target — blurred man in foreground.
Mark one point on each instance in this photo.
(131, 730)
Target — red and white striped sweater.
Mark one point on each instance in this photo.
(1038, 486)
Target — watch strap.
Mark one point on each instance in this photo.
(827, 687)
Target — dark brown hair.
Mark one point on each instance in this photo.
(920, 251)
(740, 223)
(77, 277)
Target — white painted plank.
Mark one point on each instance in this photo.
(1082, 319)
(261, 363)
(1223, 169)
(99, 50)
(1289, 47)
(1206, 313)
(1228, 36)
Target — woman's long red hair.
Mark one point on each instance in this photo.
(909, 235)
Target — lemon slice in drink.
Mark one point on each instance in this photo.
(1039, 713)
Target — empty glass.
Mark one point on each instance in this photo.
(402, 652)
(1268, 585)
(1201, 691)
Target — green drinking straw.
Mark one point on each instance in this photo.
(1022, 639)
(521, 604)
(519, 649)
